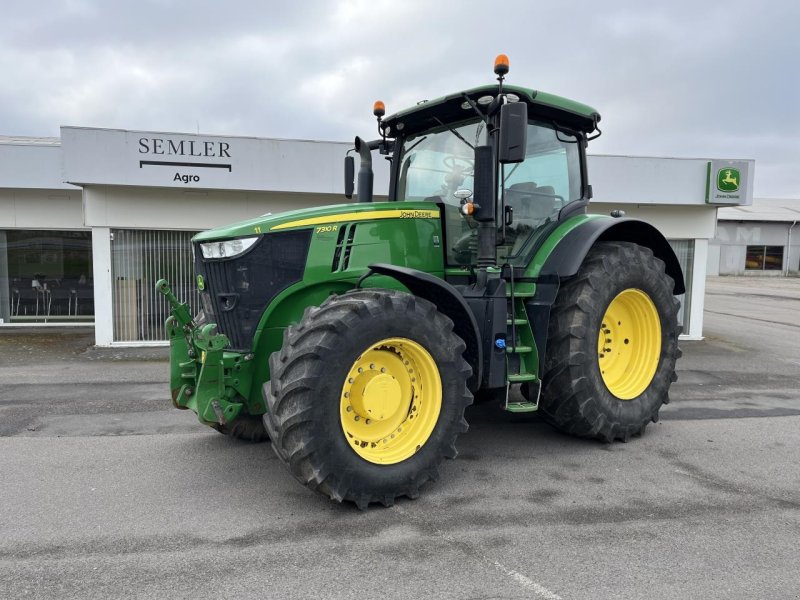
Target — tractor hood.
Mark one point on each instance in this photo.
(319, 216)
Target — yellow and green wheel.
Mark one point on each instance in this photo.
(612, 344)
(367, 396)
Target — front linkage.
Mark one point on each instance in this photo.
(203, 377)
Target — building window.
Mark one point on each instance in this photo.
(46, 276)
(138, 260)
(684, 250)
(764, 258)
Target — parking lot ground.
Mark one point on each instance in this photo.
(109, 492)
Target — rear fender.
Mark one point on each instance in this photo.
(568, 256)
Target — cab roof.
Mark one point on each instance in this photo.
(448, 109)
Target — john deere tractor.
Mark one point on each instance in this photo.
(354, 336)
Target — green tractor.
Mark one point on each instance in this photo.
(354, 336)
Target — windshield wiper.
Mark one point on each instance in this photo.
(415, 144)
(454, 132)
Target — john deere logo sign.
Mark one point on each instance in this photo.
(728, 180)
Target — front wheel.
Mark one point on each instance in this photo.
(367, 396)
(612, 344)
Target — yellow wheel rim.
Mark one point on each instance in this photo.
(390, 401)
(629, 344)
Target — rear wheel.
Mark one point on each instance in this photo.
(612, 344)
(367, 396)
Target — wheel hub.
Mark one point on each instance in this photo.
(391, 401)
(629, 344)
(378, 398)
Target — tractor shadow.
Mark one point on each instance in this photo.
(498, 449)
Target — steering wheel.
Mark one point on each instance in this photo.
(457, 162)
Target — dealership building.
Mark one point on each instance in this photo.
(91, 220)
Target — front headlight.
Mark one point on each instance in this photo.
(227, 248)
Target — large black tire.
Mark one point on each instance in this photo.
(306, 387)
(575, 397)
(249, 428)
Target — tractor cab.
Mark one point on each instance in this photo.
(438, 166)
(532, 175)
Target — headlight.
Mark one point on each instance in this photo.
(226, 249)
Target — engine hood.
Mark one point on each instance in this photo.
(322, 216)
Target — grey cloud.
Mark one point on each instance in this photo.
(679, 79)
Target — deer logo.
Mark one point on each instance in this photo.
(728, 179)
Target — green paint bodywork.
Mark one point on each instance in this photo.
(203, 374)
(534, 98)
(219, 384)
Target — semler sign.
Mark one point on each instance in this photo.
(176, 160)
(182, 148)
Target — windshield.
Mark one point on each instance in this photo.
(436, 163)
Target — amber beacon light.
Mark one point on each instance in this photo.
(379, 108)
(501, 65)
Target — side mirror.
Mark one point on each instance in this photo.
(349, 176)
(513, 139)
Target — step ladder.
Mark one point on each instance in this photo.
(521, 356)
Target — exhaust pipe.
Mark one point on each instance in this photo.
(365, 176)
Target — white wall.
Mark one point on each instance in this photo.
(32, 165)
(675, 222)
(651, 180)
(115, 157)
(160, 208)
(103, 299)
(41, 209)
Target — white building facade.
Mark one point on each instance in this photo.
(89, 222)
(759, 240)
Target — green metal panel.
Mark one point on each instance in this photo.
(537, 262)
(532, 97)
(323, 219)
(212, 382)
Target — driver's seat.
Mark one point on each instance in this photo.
(532, 204)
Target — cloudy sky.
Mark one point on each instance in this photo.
(679, 78)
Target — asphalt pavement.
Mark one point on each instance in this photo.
(109, 492)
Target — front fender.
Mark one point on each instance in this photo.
(448, 301)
